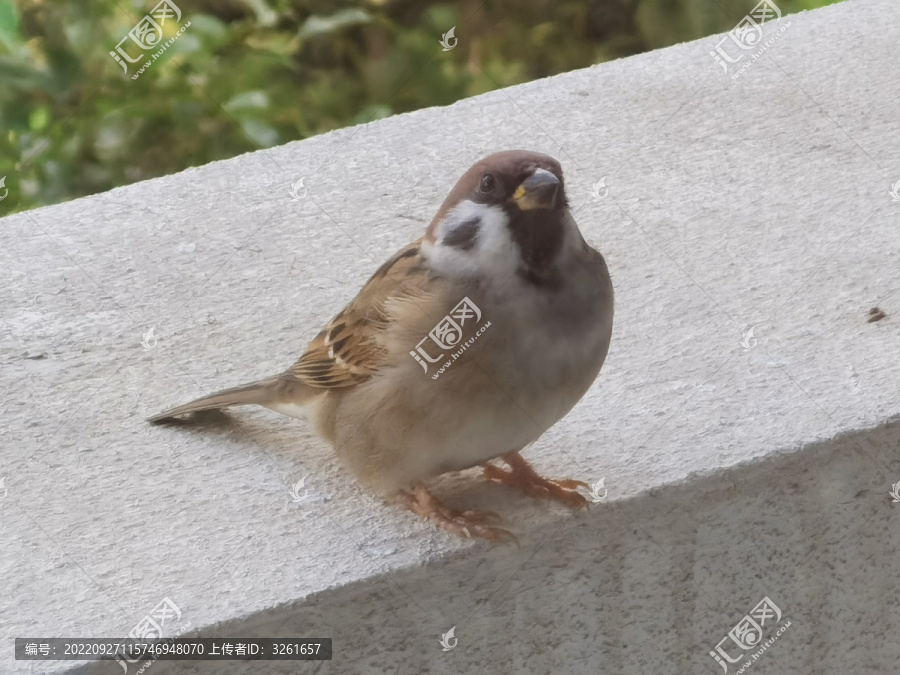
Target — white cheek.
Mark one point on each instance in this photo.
(495, 256)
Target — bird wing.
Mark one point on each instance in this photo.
(350, 349)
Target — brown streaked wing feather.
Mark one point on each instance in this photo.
(349, 350)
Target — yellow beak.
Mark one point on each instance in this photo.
(538, 191)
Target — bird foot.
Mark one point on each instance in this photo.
(462, 523)
(523, 477)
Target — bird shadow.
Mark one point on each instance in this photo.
(215, 423)
(203, 419)
(273, 440)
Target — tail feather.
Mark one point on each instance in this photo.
(261, 392)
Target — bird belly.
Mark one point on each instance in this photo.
(502, 393)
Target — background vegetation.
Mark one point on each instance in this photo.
(256, 73)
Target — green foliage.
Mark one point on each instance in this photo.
(248, 74)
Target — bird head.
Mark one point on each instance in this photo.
(508, 214)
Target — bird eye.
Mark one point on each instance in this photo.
(487, 183)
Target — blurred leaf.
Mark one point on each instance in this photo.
(265, 15)
(248, 100)
(211, 30)
(39, 118)
(322, 25)
(24, 76)
(9, 25)
(262, 134)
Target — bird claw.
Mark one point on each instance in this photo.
(570, 484)
(481, 516)
(523, 477)
(467, 524)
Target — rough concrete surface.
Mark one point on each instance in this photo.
(733, 473)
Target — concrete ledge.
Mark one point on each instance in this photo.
(734, 472)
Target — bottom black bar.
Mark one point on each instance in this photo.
(171, 649)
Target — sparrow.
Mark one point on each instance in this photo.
(463, 347)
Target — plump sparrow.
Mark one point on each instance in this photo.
(464, 347)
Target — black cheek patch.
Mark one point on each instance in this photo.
(464, 235)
